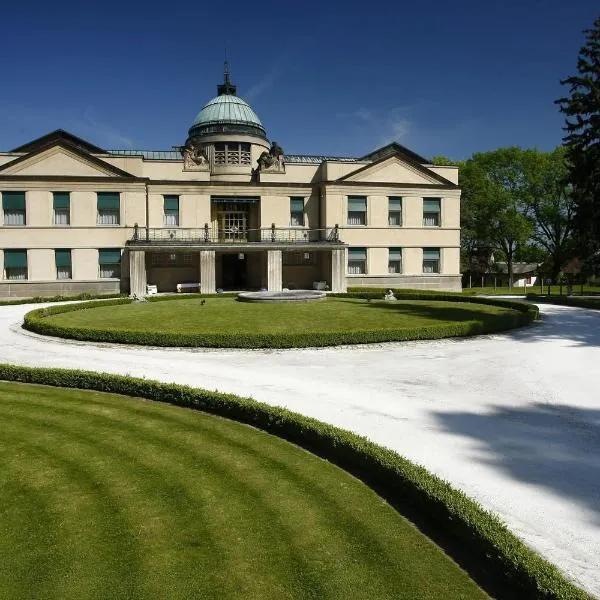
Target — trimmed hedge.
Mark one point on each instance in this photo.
(503, 561)
(40, 299)
(523, 314)
(578, 301)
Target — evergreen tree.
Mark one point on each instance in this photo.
(582, 140)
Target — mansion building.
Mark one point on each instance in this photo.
(227, 210)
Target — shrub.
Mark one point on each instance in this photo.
(501, 556)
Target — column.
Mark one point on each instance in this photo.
(274, 270)
(137, 273)
(338, 270)
(207, 272)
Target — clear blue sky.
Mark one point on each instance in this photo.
(343, 78)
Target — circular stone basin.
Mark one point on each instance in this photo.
(285, 296)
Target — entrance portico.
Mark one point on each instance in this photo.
(248, 265)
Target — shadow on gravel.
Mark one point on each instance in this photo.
(575, 325)
(556, 447)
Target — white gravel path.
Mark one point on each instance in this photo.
(513, 419)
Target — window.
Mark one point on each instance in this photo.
(62, 208)
(109, 260)
(109, 208)
(232, 153)
(431, 260)
(395, 260)
(297, 212)
(15, 265)
(357, 261)
(13, 205)
(63, 264)
(394, 211)
(357, 210)
(431, 212)
(171, 208)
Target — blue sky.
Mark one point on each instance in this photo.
(339, 78)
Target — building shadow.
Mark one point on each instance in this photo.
(556, 447)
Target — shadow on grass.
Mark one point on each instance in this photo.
(555, 447)
(457, 313)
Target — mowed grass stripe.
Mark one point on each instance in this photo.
(315, 530)
(254, 492)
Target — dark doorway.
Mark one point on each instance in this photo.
(234, 271)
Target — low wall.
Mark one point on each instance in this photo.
(31, 289)
(445, 283)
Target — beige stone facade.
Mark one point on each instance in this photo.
(235, 213)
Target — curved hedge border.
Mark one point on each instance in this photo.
(522, 314)
(40, 299)
(578, 301)
(504, 564)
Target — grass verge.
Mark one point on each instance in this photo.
(495, 557)
(355, 318)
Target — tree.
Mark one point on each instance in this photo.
(548, 203)
(582, 140)
(496, 189)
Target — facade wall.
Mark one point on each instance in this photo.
(325, 205)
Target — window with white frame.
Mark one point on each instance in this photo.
(15, 265)
(171, 211)
(357, 210)
(431, 260)
(296, 211)
(62, 259)
(357, 261)
(13, 207)
(431, 212)
(109, 208)
(61, 202)
(109, 262)
(394, 211)
(395, 260)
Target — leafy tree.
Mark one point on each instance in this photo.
(582, 140)
(548, 202)
(497, 190)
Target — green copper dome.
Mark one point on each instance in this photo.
(227, 113)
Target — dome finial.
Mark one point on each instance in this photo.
(226, 87)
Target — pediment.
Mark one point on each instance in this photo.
(61, 160)
(394, 170)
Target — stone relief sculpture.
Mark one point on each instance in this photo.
(272, 161)
(194, 157)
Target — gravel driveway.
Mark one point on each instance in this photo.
(511, 419)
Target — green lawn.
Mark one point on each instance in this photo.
(226, 315)
(103, 496)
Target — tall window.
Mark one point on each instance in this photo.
(357, 210)
(13, 205)
(395, 260)
(109, 208)
(431, 212)
(357, 261)
(62, 208)
(62, 259)
(232, 153)
(171, 208)
(15, 265)
(394, 210)
(109, 260)
(431, 260)
(296, 211)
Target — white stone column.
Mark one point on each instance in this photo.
(137, 273)
(207, 272)
(338, 270)
(274, 270)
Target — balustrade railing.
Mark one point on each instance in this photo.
(234, 235)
